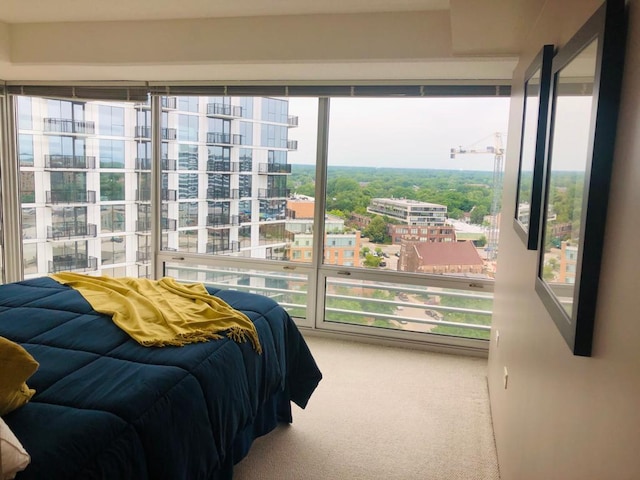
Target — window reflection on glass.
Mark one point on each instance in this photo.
(527, 155)
(568, 163)
(30, 258)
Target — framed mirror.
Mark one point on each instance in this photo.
(532, 146)
(585, 93)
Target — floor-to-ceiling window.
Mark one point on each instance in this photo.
(351, 212)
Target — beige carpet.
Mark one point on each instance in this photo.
(383, 413)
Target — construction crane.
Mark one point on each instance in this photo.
(497, 150)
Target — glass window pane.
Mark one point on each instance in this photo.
(67, 152)
(245, 187)
(402, 202)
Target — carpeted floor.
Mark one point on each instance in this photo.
(383, 413)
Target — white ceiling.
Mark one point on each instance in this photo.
(35, 11)
(477, 39)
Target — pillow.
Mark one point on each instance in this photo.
(13, 457)
(16, 365)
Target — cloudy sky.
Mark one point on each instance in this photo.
(402, 132)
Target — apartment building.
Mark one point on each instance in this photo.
(341, 246)
(85, 180)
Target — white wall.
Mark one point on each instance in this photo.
(566, 417)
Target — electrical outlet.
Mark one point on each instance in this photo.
(506, 378)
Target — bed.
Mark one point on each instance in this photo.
(107, 407)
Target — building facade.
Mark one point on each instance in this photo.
(409, 212)
(85, 180)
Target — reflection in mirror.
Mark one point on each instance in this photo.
(568, 163)
(528, 151)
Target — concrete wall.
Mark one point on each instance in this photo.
(565, 417)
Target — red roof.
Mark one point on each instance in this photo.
(448, 253)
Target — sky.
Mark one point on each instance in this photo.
(402, 132)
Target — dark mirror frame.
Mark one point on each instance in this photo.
(537, 128)
(608, 27)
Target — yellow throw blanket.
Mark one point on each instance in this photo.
(162, 312)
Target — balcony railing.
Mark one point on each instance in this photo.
(168, 195)
(69, 161)
(143, 256)
(143, 132)
(63, 125)
(224, 138)
(143, 195)
(71, 230)
(170, 103)
(226, 246)
(292, 145)
(223, 110)
(273, 168)
(64, 263)
(273, 193)
(143, 225)
(222, 166)
(223, 220)
(168, 164)
(292, 120)
(54, 196)
(170, 224)
(223, 194)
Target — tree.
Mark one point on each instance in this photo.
(377, 230)
(371, 260)
(478, 213)
(481, 242)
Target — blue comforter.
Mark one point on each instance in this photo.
(106, 407)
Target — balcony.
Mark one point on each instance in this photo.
(143, 256)
(55, 197)
(223, 110)
(67, 230)
(77, 262)
(223, 247)
(168, 195)
(224, 138)
(216, 221)
(274, 168)
(292, 145)
(63, 125)
(52, 162)
(218, 166)
(292, 120)
(144, 133)
(168, 164)
(143, 226)
(170, 224)
(223, 194)
(264, 193)
(143, 195)
(170, 103)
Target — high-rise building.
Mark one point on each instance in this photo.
(85, 180)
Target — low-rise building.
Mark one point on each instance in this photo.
(453, 258)
(409, 212)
